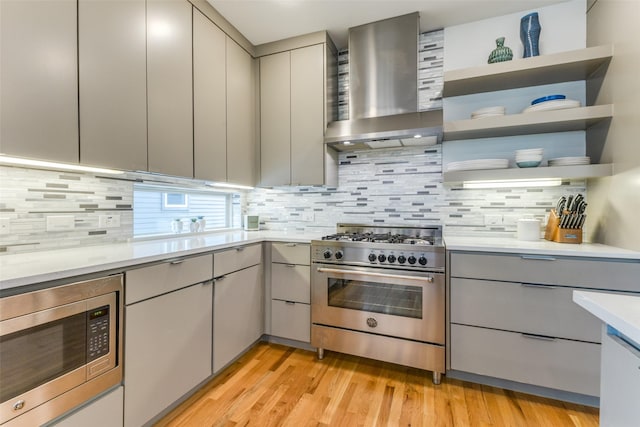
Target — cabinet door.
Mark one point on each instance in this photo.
(307, 115)
(619, 383)
(275, 119)
(241, 116)
(209, 100)
(39, 80)
(237, 311)
(106, 411)
(113, 83)
(167, 350)
(291, 283)
(169, 85)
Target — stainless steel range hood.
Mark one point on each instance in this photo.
(383, 80)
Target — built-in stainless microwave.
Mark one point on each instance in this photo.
(59, 347)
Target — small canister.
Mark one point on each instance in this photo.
(528, 229)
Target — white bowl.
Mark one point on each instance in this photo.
(528, 158)
(531, 151)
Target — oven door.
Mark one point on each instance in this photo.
(49, 352)
(396, 303)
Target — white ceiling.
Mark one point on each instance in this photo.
(263, 21)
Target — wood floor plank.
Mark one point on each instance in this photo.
(274, 385)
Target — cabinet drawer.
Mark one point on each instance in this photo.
(290, 282)
(579, 272)
(291, 320)
(234, 259)
(534, 309)
(559, 364)
(291, 253)
(158, 279)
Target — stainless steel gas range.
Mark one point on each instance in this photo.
(379, 292)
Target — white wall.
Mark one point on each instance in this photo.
(615, 202)
(469, 45)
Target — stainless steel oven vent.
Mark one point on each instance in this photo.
(383, 86)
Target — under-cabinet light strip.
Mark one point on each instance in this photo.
(6, 160)
(542, 182)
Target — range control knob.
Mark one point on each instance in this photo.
(382, 258)
(402, 259)
(339, 254)
(391, 258)
(422, 260)
(372, 257)
(326, 254)
(412, 259)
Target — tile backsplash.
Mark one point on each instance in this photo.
(28, 196)
(387, 186)
(396, 186)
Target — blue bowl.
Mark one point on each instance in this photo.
(528, 164)
(547, 98)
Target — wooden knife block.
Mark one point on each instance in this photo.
(561, 235)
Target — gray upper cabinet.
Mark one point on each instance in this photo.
(293, 119)
(307, 115)
(209, 100)
(112, 82)
(241, 116)
(275, 119)
(39, 80)
(169, 86)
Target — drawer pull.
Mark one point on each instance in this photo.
(538, 257)
(290, 302)
(240, 249)
(291, 245)
(531, 285)
(176, 262)
(290, 265)
(538, 337)
(219, 279)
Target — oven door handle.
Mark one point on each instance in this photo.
(427, 279)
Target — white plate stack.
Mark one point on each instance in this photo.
(556, 104)
(569, 161)
(488, 112)
(468, 165)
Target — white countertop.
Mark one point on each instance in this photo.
(34, 267)
(620, 311)
(538, 247)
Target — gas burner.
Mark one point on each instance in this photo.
(381, 238)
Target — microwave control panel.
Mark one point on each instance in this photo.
(97, 333)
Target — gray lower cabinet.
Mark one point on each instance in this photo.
(39, 80)
(237, 302)
(512, 317)
(167, 349)
(113, 83)
(105, 411)
(620, 383)
(169, 87)
(291, 291)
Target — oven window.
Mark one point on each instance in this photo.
(34, 356)
(397, 300)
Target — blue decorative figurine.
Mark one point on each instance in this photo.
(530, 34)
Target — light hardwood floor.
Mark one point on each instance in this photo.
(273, 385)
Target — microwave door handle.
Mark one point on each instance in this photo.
(28, 321)
(427, 279)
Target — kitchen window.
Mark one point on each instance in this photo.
(161, 210)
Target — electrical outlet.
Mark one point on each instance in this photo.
(5, 225)
(493, 219)
(109, 221)
(511, 219)
(308, 216)
(61, 222)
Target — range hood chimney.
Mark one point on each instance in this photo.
(383, 85)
